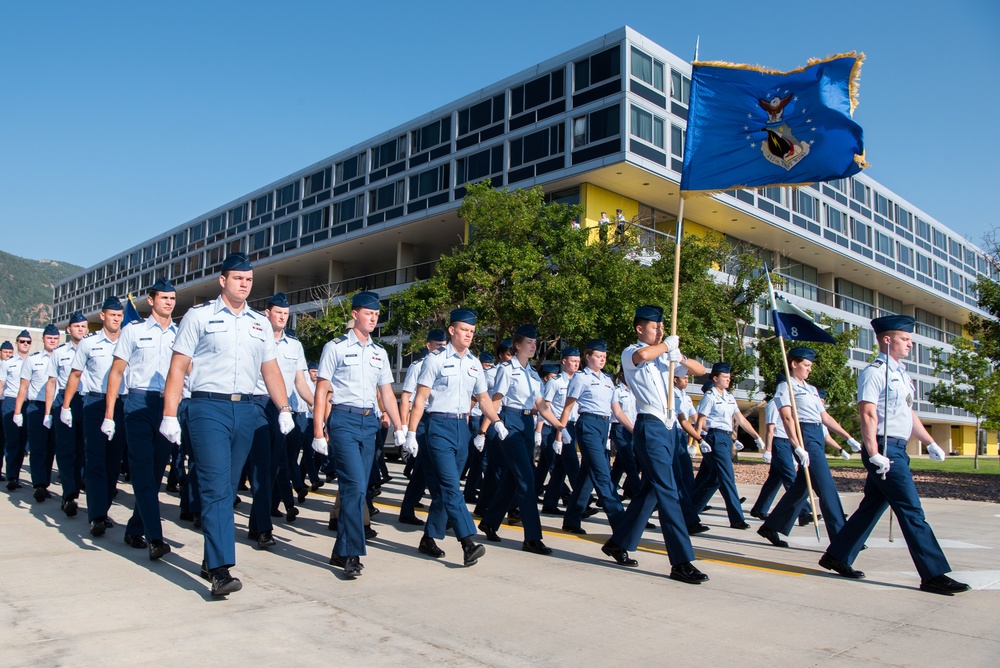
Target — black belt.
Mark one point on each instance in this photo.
(719, 429)
(596, 415)
(352, 409)
(451, 416)
(893, 440)
(142, 393)
(222, 396)
(37, 402)
(102, 395)
(517, 411)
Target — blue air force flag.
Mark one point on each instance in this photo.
(749, 126)
(131, 313)
(794, 324)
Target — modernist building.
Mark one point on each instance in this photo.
(603, 126)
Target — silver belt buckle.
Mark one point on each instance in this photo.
(234, 397)
(367, 412)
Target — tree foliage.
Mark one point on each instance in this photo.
(974, 384)
(315, 331)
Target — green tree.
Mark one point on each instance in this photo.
(315, 331)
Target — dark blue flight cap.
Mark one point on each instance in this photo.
(436, 335)
(551, 367)
(571, 351)
(50, 330)
(313, 365)
(507, 343)
(650, 312)
(707, 386)
(76, 317)
(24, 335)
(803, 352)
(597, 345)
(721, 367)
(527, 331)
(466, 315)
(367, 300)
(112, 304)
(821, 392)
(779, 379)
(237, 262)
(6, 345)
(280, 300)
(889, 323)
(680, 371)
(162, 284)
(486, 358)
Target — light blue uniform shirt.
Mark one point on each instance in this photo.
(719, 409)
(93, 358)
(555, 391)
(807, 401)
(519, 386)
(649, 381)
(61, 363)
(146, 348)
(36, 371)
(491, 376)
(626, 401)
(682, 406)
(454, 379)
(355, 371)
(226, 349)
(291, 359)
(871, 388)
(10, 375)
(410, 380)
(771, 416)
(593, 391)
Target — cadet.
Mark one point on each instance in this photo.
(89, 375)
(646, 365)
(145, 348)
(494, 465)
(684, 429)
(567, 463)
(6, 351)
(15, 434)
(69, 440)
(354, 368)
(41, 438)
(623, 416)
(885, 404)
(777, 453)
(449, 378)
(474, 466)
(227, 346)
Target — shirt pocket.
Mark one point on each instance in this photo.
(145, 342)
(216, 332)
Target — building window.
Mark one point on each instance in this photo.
(597, 126)
(970, 257)
(148, 253)
(904, 218)
(647, 69)
(195, 261)
(805, 205)
(287, 194)
(287, 230)
(430, 135)
(940, 273)
(349, 209)
(772, 193)
(861, 233)
(537, 92)
(177, 269)
(597, 68)
(481, 115)
(904, 254)
(940, 240)
(678, 136)
(680, 87)
(854, 298)
(162, 247)
(135, 259)
(889, 305)
(386, 197)
(477, 166)
(352, 167)
(429, 182)
(215, 224)
(315, 221)
(647, 127)
(883, 244)
(317, 182)
(860, 192)
(838, 184)
(923, 264)
(883, 206)
(955, 249)
(238, 215)
(923, 230)
(538, 145)
(197, 234)
(836, 220)
(391, 151)
(261, 205)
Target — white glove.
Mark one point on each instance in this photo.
(882, 464)
(801, 455)
(692, 450)
(399, 436)
(66, 416)
(608, 445)
(704, 447)
(855, 446)
(739, 445)
(410, 447)
(674, 356)
(673, 343)
(566, 436)
(479, 442)
(108, 428)
(557, 447)
(47, 422)
(845, 455)
(766, 457)
(761, 445)
(286, 423)
(17, 419)
(501, 430)
(321, 446)
(935, 452)
(538, 439)
(170, 428)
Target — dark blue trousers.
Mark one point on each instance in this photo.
(898, 492)
(655, 451)
(493, 467)
(190, 496)
(595, 472)
(718, 466)
(15, 439)
(566, 467)
(104, 457)
(518, 482)
(148, 455)
(266, 456)
(447, 450)
(625, 465)
(684, 475)
(546, 458)
(42, 442)
(352, 438)
(417, 483)
(69, 447)
(294, 442)
(474, 463)
(781, 474)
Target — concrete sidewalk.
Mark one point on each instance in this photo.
(71, 599)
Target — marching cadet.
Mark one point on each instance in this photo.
(354, 369)
(684, 429)
(449, 378)
(566, 466)
(646, 365)
(144, 348)
(6, 351)
(778, 453)
(89, 375)
(545, 439)
(885, 405)
(518, 389)
(15, 434)
(474, 465)
(494, 466)
(41, 438)
(69, 440)
(716, 412)
(811, 454)
(226, 346)
(623, 416)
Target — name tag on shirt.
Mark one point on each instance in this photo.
(449, 370)
(216, 326)
(145, 342)
(100, 351)
(352, 359)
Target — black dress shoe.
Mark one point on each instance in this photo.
(589, 512)
(301, 493)
(552, 510)
(415, 521)
(275, 512)
(97, 528)
(352, 565)
(223, 583)
(41, 494)
(292, 513)
(618, 554)
(12, 485)
(172, 488)
(536, 547)
(472, 553)
(157, 548)
(316, 485)
(739, 525)
(696, 529)
(839, 567)
(772, 536)
(341, 562)
(186, 515)
(370, 533)
(138, 542)
(759, 515)
(513, 519)
(942, 584)
(70, 506)
(429, 547)
(577, 530)
(332, 524)
(373, 511)
(263, 538)
(489, 532)
(197, 520)
(807, 519)
(688, 574)
(107, 522)
(205, 572)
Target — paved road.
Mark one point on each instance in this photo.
(74, 600)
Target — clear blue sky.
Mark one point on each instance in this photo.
(119, 120)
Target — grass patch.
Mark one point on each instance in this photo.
(988, 465)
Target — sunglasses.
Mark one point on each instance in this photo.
(28, 341)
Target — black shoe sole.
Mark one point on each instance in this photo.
(231, 587)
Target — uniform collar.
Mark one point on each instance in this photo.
(449, 351)
(221, 306)
(352, 339)
(893, 364)
(151, 323)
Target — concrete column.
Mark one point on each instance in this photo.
(335, 272)
(404, 259)
(941, 433)
(280, 284)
